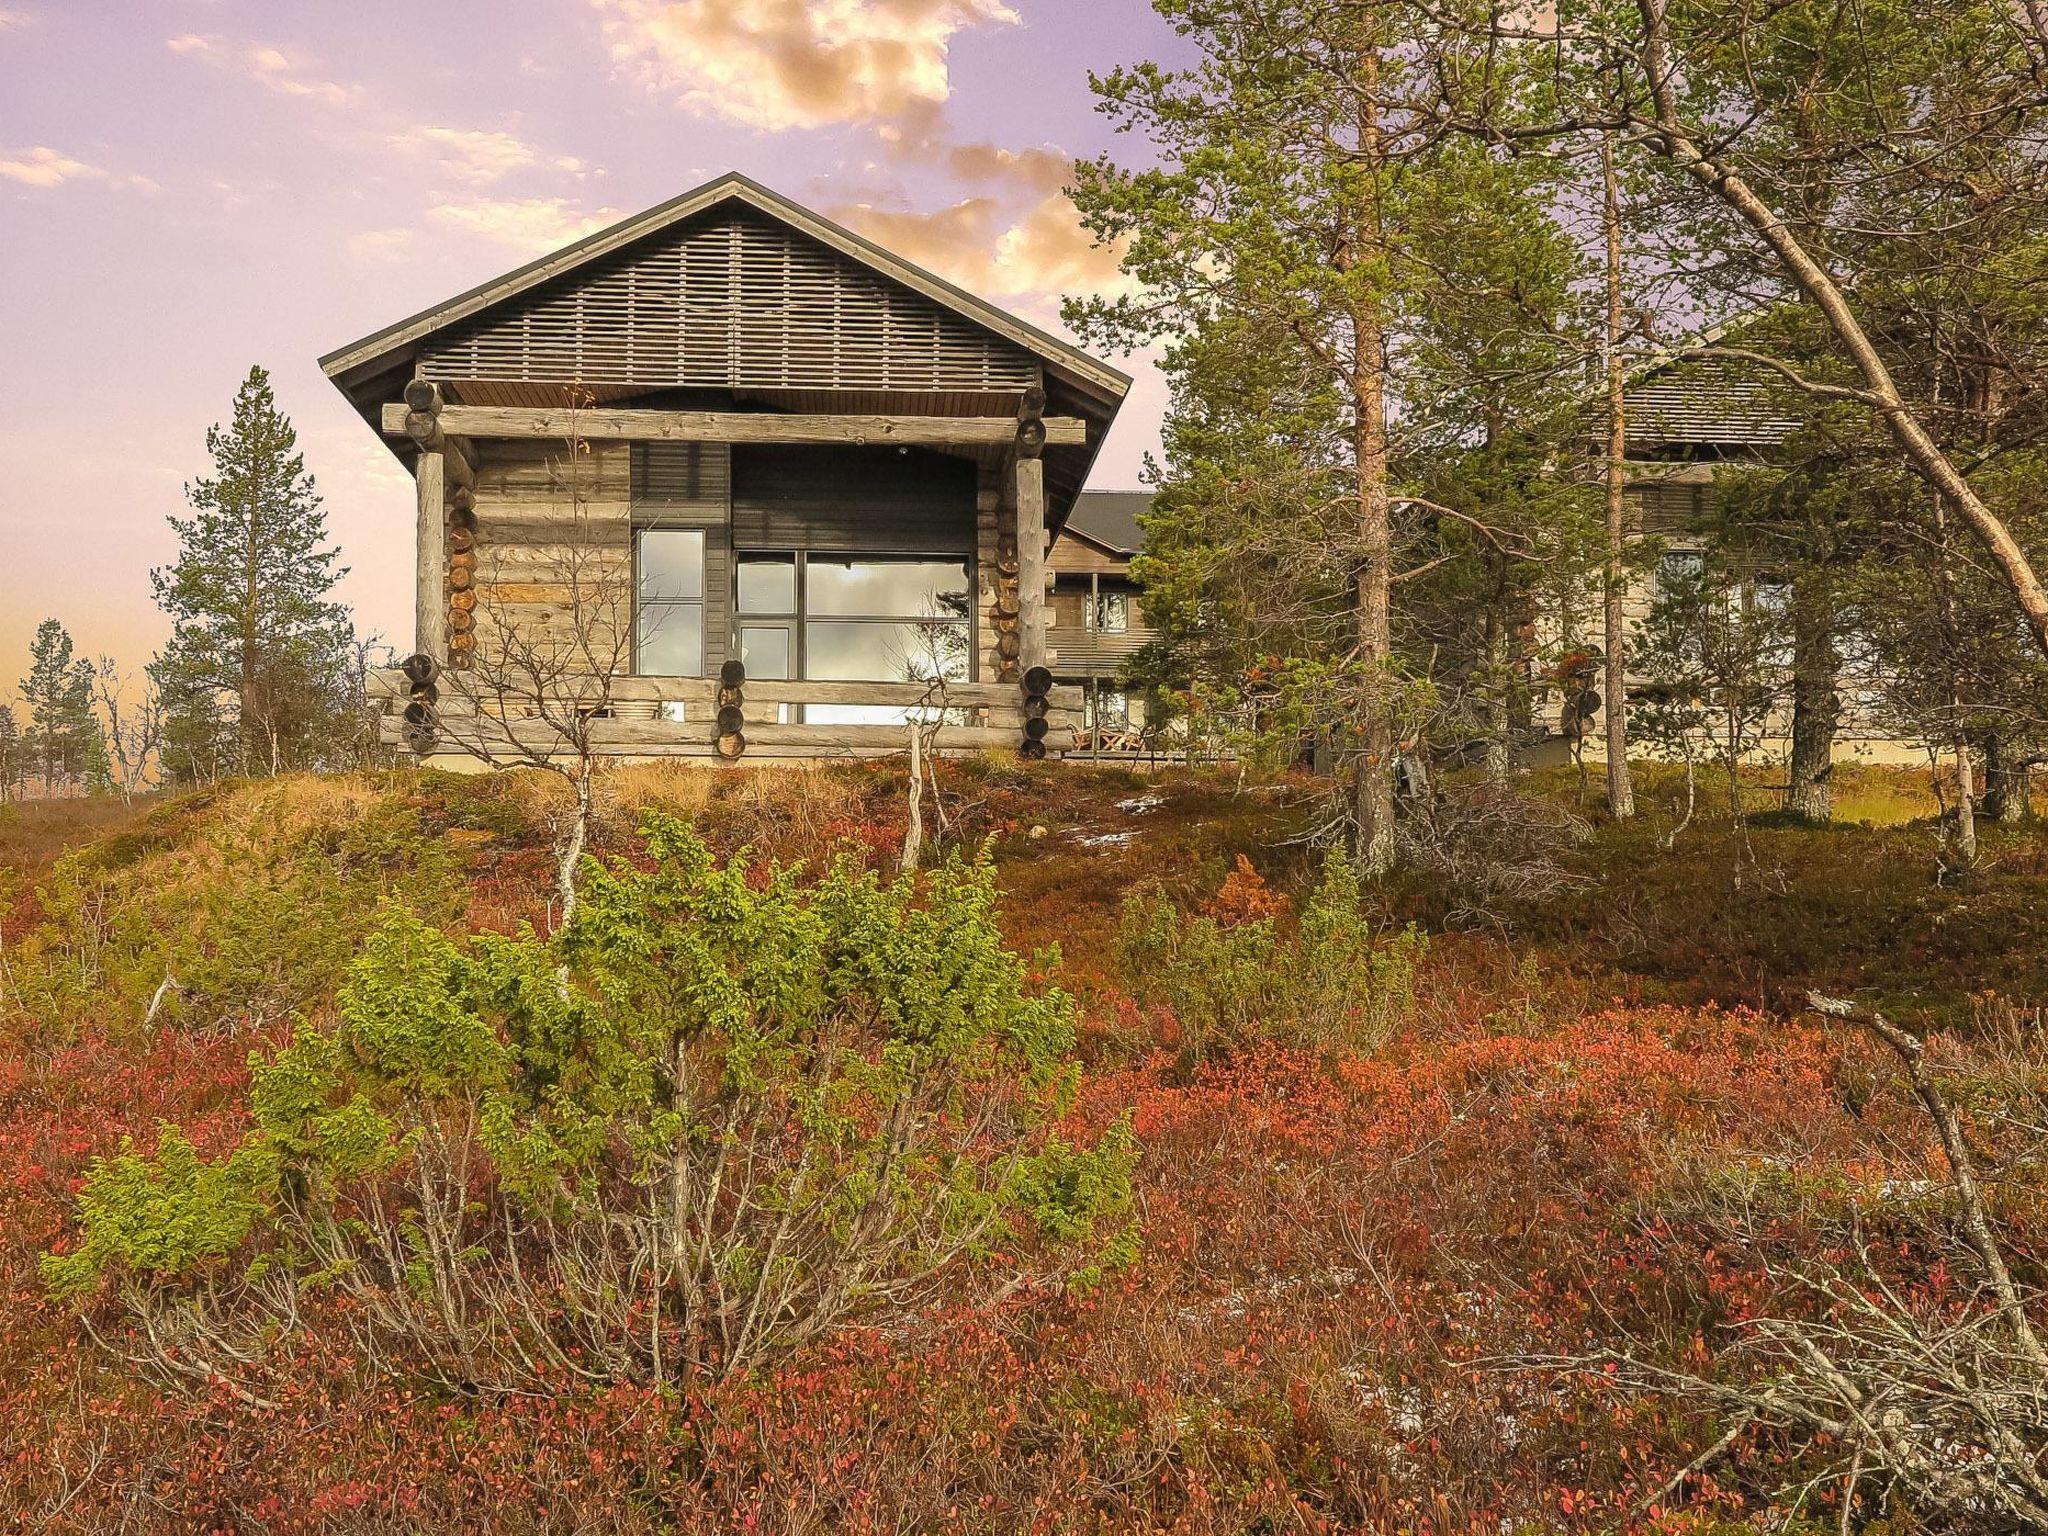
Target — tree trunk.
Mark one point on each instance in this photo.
(1499, 725)
(2006, 775)
(913, 821)
(570, 861)
(1621, 795)
(1816, 706)
(1966, 804)
(1373, 777)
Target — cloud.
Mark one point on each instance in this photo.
(777, 64)
(43, 167)
(10, 19)
(481, 156)
(537, 224)
(372, 247)
(269, 67)
(1016, 234)
(1042, 251)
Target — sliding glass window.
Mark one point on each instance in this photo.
(668, 615)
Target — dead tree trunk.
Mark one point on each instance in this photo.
(1499, 721)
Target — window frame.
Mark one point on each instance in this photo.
(701, 602)
(800, 617)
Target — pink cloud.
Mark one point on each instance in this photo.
(482, 156)
(535, 224)
(777, 64)
(269, 67)
(43, 167)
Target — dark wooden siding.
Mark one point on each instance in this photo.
(874, 500)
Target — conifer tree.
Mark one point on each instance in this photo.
(11, 765)
(62, 741)
(248, 676)
(1307, 230)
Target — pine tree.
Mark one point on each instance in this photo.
(63, 732)
(11, 764)
(248, 676)
(1304, 219)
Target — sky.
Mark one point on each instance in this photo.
(188, 187)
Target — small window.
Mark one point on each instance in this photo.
(765, 651)
(669, 616)
(767, 584)
(1106, 709)
(1112, 614)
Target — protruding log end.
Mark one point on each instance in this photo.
(422, 395)
(1038, 680)
(733, 674)
(420, 668)
(731, 745)
(1032, 750)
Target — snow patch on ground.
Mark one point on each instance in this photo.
(1138, 805)
(1104, 839)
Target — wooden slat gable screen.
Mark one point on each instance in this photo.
(737, 302)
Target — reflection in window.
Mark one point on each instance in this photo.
(767, 584)
(1106, 709)
(873, 651)
(886, 621)
(764, 651)
(885, 589)
(1112, 615)
(669, 614)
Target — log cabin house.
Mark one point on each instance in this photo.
(728, 479)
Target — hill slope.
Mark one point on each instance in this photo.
(1379, 1174)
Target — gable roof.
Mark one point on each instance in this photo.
(1676, 401)
(1109, 520)
(379, 350)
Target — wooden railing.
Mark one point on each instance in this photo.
(634, 716)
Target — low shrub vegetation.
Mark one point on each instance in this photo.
(1124, 1168)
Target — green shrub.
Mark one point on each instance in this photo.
(720, 1113)
(1324, 981)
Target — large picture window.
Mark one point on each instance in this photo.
(668, 615)
(869, 619)
(885, 621)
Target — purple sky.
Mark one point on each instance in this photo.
(191, 186)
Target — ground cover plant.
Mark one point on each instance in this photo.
(1246, 1205)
